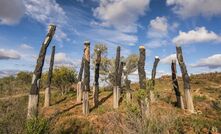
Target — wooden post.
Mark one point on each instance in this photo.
(34, 92)
(50, 72)
(86, 78)
(80, 84)
(186, 80)
(128, 90)
(141, 69)
(144, 103)
(96, 78)
(179, 98)
(116, 82)
(153, 75)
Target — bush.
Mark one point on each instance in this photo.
(37, 126)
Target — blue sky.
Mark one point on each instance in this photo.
(159, 25)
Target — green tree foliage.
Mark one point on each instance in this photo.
(63, 78)
(24, 77)
(131, 64)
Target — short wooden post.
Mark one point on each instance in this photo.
(144, 103)
(128, 90)
(86, 78)
(34, 92)
(116, 82)
(186, 80)
(96, 79)
(179, 98)
(153, 75)
(50, 72)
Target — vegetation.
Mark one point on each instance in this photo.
(64, 116)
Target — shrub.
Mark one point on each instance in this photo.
(37, 126)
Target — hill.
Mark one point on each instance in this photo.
(64, 116)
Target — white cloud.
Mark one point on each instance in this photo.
(168, 59)
(157, 32)
(121, 14)
(159, 24)
(211, 62)
(11, 11)
(46, 12)
(25, 46)
(198, 35)
(9, 54)
(189, 8)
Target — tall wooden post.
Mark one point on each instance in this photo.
(96, 78)
(34, 92)
(179, 98)
(141, 69)
(80, 84)
(116, 90)
(186, 80)
(153, 75)
(144, 103)
(86, 78)
(48, 89)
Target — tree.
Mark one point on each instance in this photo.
(63, 78)
(24, 77)
(131, 64)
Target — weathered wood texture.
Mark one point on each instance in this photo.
(186, 80)
(81, 69)
(80, 87)
(120, 73)
(34, 92)
(87, 66)
(116, 90)
(141, 69)
(153, 75)
(86, 78)
(96, 78)
(179, 98)
(50, 72)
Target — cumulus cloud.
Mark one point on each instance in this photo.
(25, 46)
(168, 59)
(121, 14)
(9, 54)
(190, 8)
(211, 62)
(157, 32)
(46, 12)
(198, 35)
(11, 11)
(158, 27)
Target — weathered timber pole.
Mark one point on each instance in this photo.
(34, 92)
(80, 84)
(116, 90)
(153, 75)
(144, 102)
(96, 78)
(86, 78)
(50, 72)
(179, 98)
(186, 80)
(128, 90)
(141, 69)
